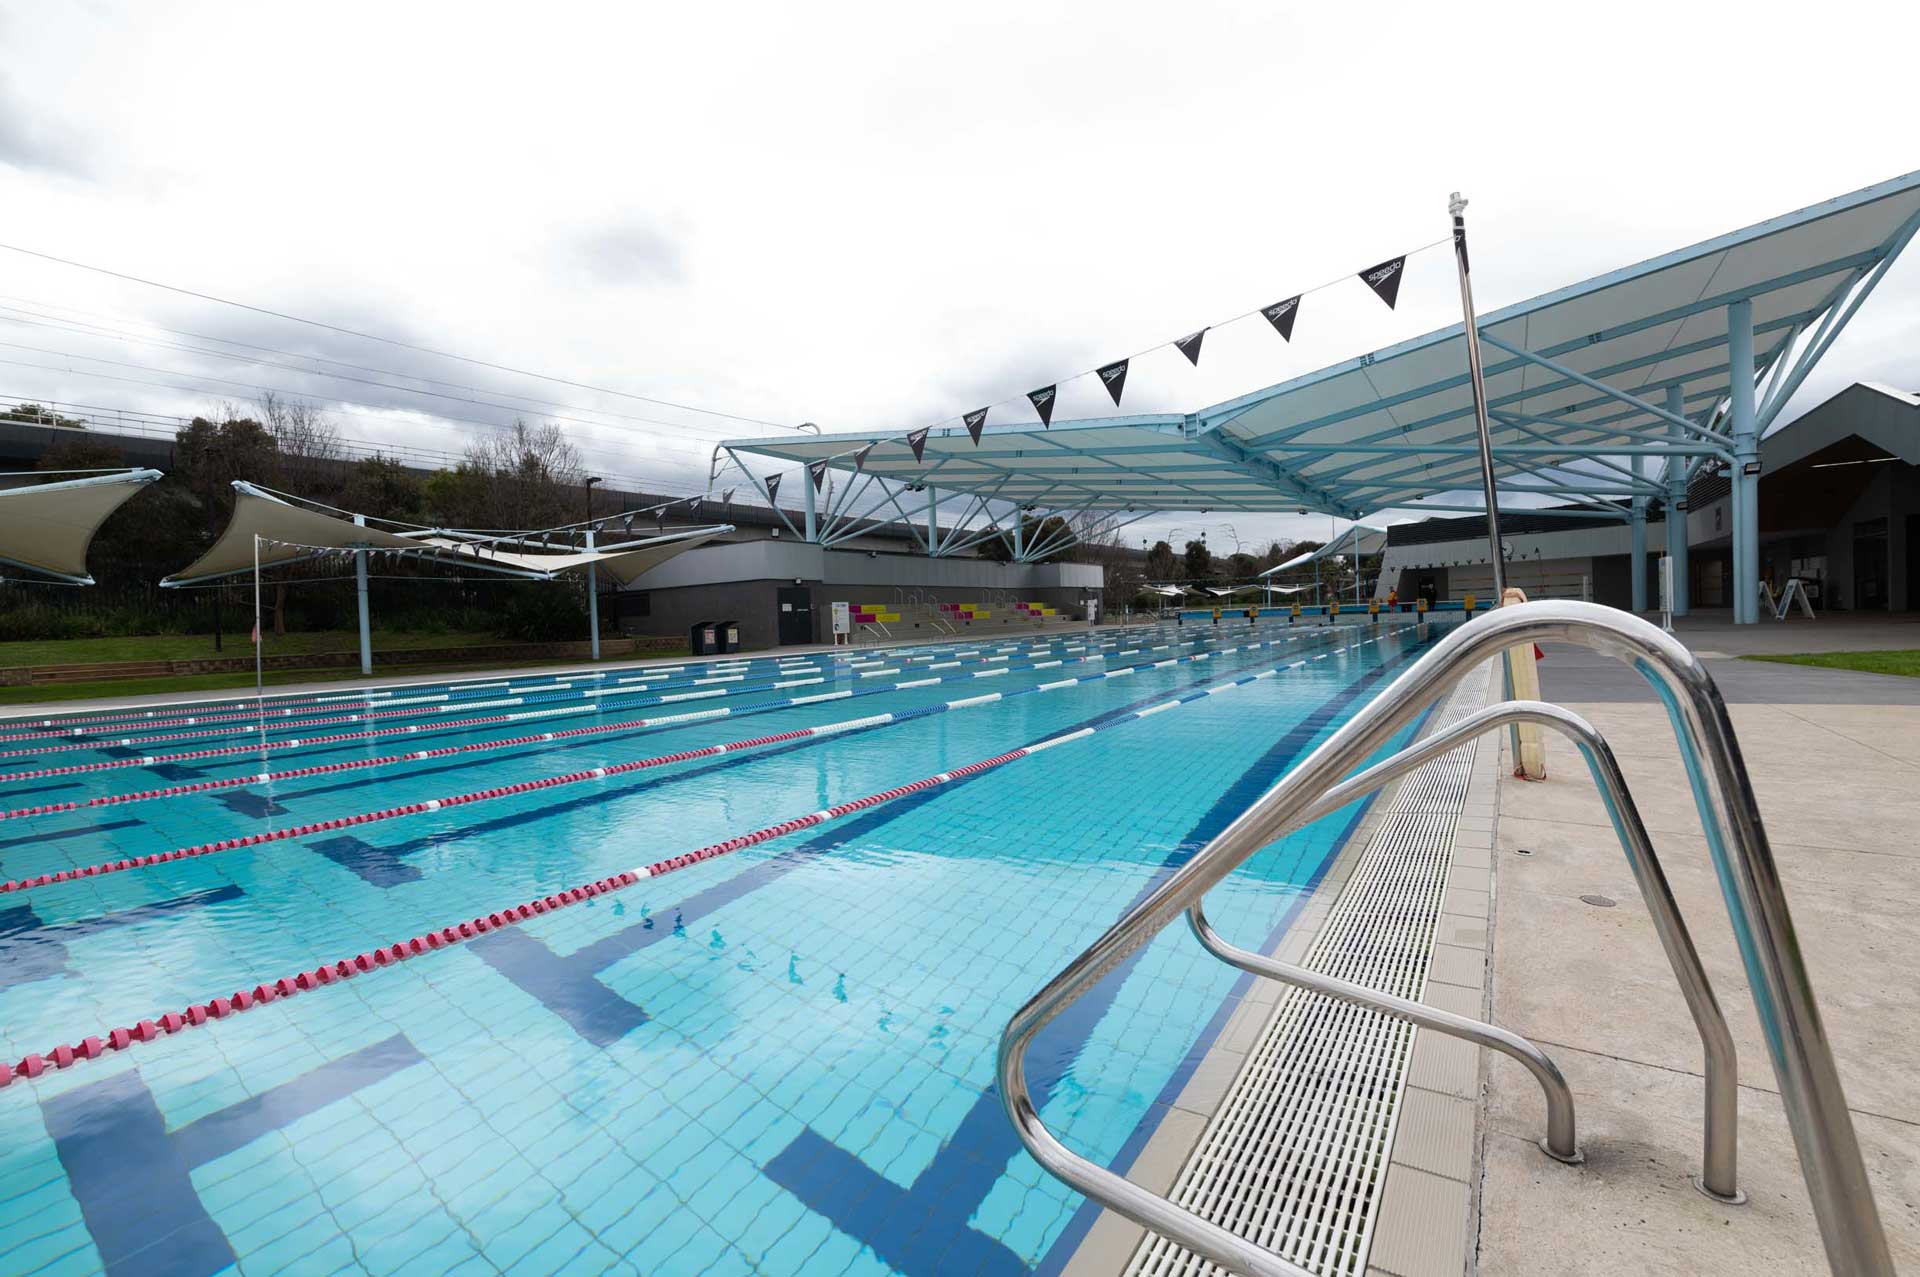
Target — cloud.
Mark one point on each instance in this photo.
(30, 142)
(635, 252)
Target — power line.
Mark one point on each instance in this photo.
(389, 341)
(138, 381)
(81, 326)
(251, 361)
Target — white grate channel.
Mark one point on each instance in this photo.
(1296, 1156)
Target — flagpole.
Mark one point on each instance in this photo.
(259, 678)
(1458, 207)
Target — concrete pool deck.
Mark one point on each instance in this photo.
(1835, 759)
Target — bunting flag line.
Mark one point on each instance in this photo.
(1281, 315)
(773, 487)
(1042, 401)
(1384, 279)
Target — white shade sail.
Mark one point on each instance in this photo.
(46, 528)
(288, 532)
(1360, 539)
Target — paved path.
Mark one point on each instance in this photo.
(1835, 757)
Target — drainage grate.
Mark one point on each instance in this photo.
(1295, 1158)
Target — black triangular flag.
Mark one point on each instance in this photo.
(1384, 279)
(727, 497)
(773, 487)
(818, 469)
(1042, 401)
(918, 441)
(976, 421)
(1114, 378)
(1190, 346)
(1281, 315)
(860, 458)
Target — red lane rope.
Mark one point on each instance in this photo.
(387, 813)
(196, 1014)
(321, 769)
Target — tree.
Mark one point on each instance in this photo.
(1199, 562)
(208, 456)
(1241, 566)
(519, 481)
(34, 414)
(309, 457)
(1160, 562)
(384, 488)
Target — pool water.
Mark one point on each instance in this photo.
(777, 1060)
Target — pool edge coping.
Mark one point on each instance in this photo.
(1438, 1188)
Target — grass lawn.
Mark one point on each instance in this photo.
(1902, 661)
(130, 687)
(181, 647)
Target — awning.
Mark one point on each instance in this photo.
(1636, 361)
(289, 533)
(46, 528)
(1360, 539)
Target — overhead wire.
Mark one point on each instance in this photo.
(389, 341)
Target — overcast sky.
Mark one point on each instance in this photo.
(873, 217)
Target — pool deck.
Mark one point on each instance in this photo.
(1835, 759)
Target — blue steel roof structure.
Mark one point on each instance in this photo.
(1582, 382)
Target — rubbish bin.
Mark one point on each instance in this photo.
(729, 636)
(705, 639)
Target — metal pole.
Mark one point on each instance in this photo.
(360, 588)
(1458, 207)
(259, 677)
(1677, 509)
(593, 601)
(1746, 463)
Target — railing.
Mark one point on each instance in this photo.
(1743, 860)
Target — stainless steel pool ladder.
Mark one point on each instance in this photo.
(1743, 861)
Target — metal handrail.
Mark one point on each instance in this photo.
(1796, 1041)
(1560, 1143)
(1719, 1177)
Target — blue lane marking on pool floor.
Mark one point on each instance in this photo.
(131, 1176)
(914, 1230)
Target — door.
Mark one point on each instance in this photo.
(796, 615)
(1870, 566)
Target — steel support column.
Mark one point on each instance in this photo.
(1746, 464)
(811, 494)
(1677, 509)
(1638, 553)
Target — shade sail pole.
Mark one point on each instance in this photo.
(1458, 207)
(259, 676)
(593, 602)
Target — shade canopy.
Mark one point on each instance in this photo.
(289, 532)
(1359, 540)
(46, 528)
(1637, 360)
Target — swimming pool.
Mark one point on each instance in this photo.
(747, 1023)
